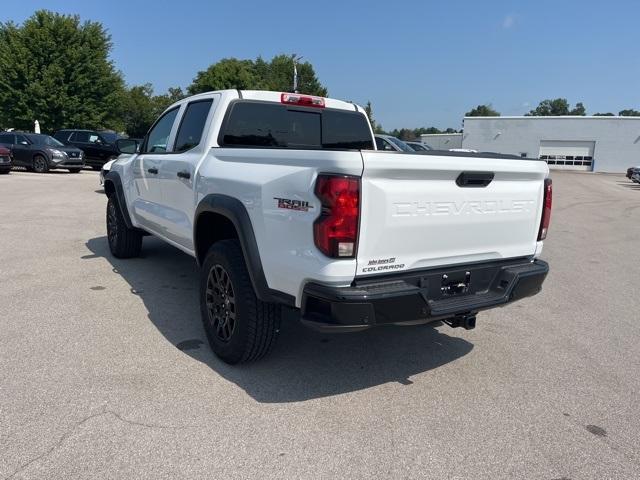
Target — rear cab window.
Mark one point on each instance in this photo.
(258, 124)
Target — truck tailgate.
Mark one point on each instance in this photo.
(422, 211)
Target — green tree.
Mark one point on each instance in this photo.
(227, 73)
(57, 70)
(548, 108)
(138, 111)
(377, 128)
(556, 107)
(608, 114)
(140, 107)
(630, 112)
(482, 111)
(275, 75)
(579, 110)
(279, 76)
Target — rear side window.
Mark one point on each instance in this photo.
(8, 139)
(192, 125)
(262, 124)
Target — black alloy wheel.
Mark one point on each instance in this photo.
(112, 225)
(221, 303)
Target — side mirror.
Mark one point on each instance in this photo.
(128, 145)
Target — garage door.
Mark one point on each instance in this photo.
(567, 155)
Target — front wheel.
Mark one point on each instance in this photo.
(40, 164)
(239, 326)
(124, 242)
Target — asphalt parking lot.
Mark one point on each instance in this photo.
(105, 371)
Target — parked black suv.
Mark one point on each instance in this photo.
(98, 147)
(40, 153)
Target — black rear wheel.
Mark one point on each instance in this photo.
(239, 326)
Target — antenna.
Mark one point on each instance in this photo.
(295, 59)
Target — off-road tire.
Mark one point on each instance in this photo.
(256, 323)
(124, 242)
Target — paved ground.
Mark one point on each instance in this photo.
(104, 372)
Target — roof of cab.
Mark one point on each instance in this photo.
(271, 96)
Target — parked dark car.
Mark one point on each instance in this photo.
(98, 147)
(41, 153)
(631, 171)
(5, 160)
(393, 144)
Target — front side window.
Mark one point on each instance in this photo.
(192, 125)
(21, 139)
(159, 134)
(386, 145)
(401, 145)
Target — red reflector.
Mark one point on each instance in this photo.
(335, 232)
(546, 209)
(303, 100)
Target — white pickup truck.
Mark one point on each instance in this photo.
(283, 200)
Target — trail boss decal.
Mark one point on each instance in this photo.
(288, 204)
(382, 265)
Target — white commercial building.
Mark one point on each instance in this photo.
(442, 141)
(599, 144)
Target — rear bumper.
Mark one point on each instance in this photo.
(417, 297)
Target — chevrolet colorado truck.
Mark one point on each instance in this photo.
(284, 202)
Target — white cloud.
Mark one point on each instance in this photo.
(509, 21)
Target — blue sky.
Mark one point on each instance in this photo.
(421, 63)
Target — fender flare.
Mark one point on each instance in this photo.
(235, 211)
(114, 178)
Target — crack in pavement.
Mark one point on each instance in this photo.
(70, 432)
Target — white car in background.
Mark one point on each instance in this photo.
(106, 168)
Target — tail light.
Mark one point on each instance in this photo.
(546, 209)
(335, 232)
(302, 100)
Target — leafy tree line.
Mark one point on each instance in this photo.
(407, 134)
(549, 108)
(58, 70)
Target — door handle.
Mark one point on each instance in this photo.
(474, 179)
(152, 170)
(186, 175)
